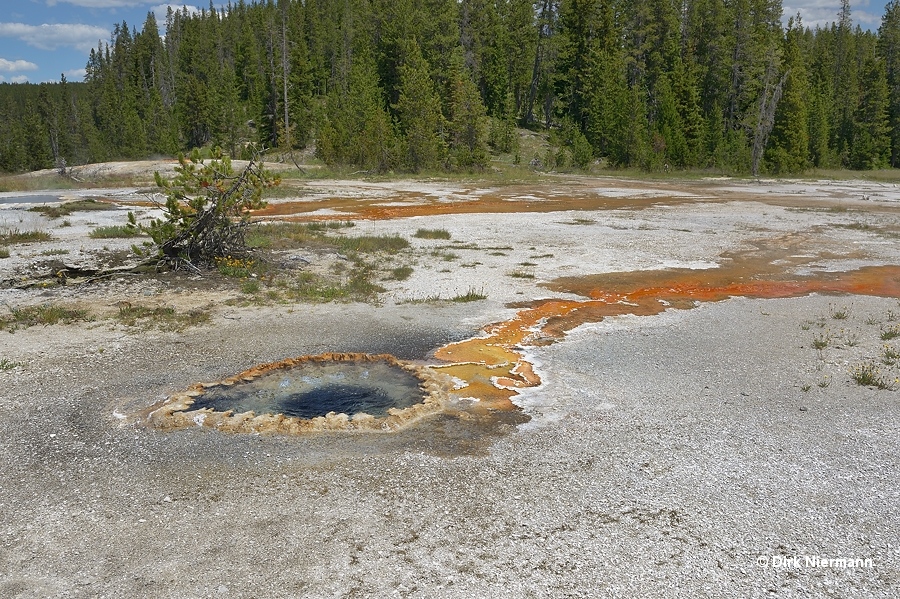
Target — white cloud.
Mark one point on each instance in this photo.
(52, 37)
(75, 74)
(19, 79)
(12, 66)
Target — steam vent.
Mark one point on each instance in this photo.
(311, 393)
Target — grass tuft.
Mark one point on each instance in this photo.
(14, 236)
(821, 340)
(520, 274)
(58, 210)
(368, 244)
(841, 313)
(401, 273)
(432, 234)
(869, 375)
(472, 295)
(114, 232)
(47, 314)
(6, 365)
(890, 333)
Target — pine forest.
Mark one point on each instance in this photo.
(431, 85)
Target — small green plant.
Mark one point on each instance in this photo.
(520, 274)
(54, 252)
(869, 375)
(538, 256)
(13, 236)
(890, 333)
(432, 234)
(445, 255)
(401, 273)
(47, 314)
(871, 320)
(8, 364)
(115, 232)
(368, 244)
(821, 340)
(428, 299)
(824, 382)
(805, 387)
(239, 268)
(472, 295)
(4, 252)
(841, 313)
(57, 210)
(890, 355)
(250, 287)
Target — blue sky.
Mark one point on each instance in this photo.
(42, 39)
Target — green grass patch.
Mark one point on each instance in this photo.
(432, 234)
(4, 252)
(821, 341)
(250, 287)
(445, 255)
(13, 236)
(369, 244)
(54, 252)
(472, 295)
(841, 313)
(309, 287)
(239, 268)
(520, 274)
(428, 299)
(401, 273)
(890, 333)
(47, 314)
(869, 375)
(8, 364)
(58, 210)
(114, 232)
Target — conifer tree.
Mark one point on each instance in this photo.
(889, 51)
(419, 111)
(871, 127)
(468, 133)
(789, 141)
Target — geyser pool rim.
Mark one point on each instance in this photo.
(175, 412)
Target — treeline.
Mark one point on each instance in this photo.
(433, 84)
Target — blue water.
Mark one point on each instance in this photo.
(317, 388)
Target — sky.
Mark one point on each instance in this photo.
(41, 40)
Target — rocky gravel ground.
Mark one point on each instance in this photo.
(710, 452)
